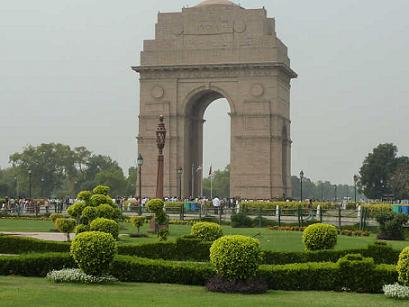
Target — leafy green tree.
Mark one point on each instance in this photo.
(221, 184)
(131, 181)
(399, 181)
(377, 171)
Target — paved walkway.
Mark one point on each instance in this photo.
(49, 236)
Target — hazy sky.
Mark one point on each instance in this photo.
(65, 77)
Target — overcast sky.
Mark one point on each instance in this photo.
(65, 77)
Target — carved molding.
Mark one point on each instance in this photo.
(214, 70)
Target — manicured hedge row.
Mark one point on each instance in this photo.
(326, 276)
(187, 248)
(304, 276)
(380, 254)
(34, 264)
(133, 269)
(21, 245)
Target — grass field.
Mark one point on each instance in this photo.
(22, 292)
(270, 240)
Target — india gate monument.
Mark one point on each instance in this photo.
(217, 49)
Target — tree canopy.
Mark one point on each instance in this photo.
(57, 170)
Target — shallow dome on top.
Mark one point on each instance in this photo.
(216, 2)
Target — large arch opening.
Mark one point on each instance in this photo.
(207, 138)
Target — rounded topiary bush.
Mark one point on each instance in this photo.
(235, 257)
(81, 228)
(84, 196)
(101, 189)
(76, 209)
(65, 225)
(56, 216)
(403, 267)
(155, 205)
(108, 212)
(105, 225)
(320, 237)
(207, 231)
(88, 215)
(100, 199)
(94, 252)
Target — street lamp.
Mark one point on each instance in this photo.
(160, 142)
(336, 192)
(356, 178)
(301, 182)
(140, 163)
(180, 173)
(29, 183)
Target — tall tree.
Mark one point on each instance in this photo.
(399, 181)
(377, 170)
(221, 184)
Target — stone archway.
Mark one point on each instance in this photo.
(217, 50)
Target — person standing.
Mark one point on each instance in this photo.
(216, 204)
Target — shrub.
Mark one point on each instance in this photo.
(85, 196)
(155, 206)
(163, 234)
(241, 220)
(133, 269)
(319, 237)
(403, 267)
(56, 216)
(353, 272)
(94, 252)
(235, 257)
(100, 199)
(108, 212)
(65, 226)
(137, 221)
(76, 209)
(20, 245)
(391, 226)
(396, 291)
(101, 189)
(250, 286)
(78, 276)
(81, 228)
(36, 265)
(88, 215)
(207, 231)
(105, 225)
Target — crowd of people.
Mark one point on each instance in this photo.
(22, 206)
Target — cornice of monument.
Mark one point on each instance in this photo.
(216, 67)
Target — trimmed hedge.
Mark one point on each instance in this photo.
(133, 269)
(21, 245)
(188, 248)
(325, 277)
(36, 265)
(304, 276)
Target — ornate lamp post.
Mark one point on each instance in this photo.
(180, 173)
(301, 182)
(42, 187)
(160, 142)
(140, 163)
(356, 178)
(29, 183)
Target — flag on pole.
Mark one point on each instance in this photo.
(211, 170)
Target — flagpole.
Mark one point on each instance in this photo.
(211, 186)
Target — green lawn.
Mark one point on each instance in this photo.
(270, 240)
(23, 292)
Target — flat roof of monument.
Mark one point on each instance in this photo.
(216, 2)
